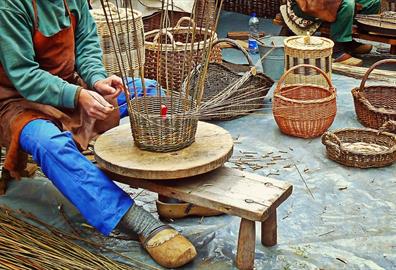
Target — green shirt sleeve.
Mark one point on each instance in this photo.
(88, 52)
(17, 57)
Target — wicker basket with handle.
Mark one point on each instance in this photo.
(304, 110)
(375, 105)
(171, 60)
(362, 147)
(249, 97)
(202, 19)
(126, 30)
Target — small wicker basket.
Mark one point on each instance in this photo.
(171, 72)
(361, 148)
(316, 51)
(156, 132)
(375, 105)
(249, 97)
(124, 26)
(304, 110)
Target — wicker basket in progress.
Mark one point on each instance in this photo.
(263, 8)
(375, 105)
(249, 97)
(156, 132)
(171, 61)
(361, 148)
(130, 35)
(304, 110)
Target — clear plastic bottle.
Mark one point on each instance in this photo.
(253, 34)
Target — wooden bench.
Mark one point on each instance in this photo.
(252, 197)
(325, 31)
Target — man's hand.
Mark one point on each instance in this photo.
(94, 104)
(111, 86)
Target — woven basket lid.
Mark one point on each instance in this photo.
(308, 43)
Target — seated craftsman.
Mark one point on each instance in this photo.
(55, 96)
(340, 29)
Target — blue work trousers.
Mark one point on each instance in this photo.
(97, 197)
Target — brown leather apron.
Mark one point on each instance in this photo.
(56, 55)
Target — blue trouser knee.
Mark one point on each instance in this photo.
(97, 197)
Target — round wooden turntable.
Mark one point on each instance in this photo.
(116, 152)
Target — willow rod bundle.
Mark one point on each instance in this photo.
(27, 246)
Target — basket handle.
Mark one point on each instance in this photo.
(167, 33)
(235, 45)
(330, 139)
(282, 79)
(388, 126)
(374, 66)
(185, 19)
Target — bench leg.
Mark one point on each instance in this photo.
(246, 245)
(269, 235)
(393, 49)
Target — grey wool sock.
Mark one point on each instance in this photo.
(140, 221)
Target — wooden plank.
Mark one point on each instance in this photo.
(242, 35)
(115, 151)
(227, 190)
(358, 73)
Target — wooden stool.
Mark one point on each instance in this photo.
(252, 197)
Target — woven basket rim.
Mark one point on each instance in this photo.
(179, 45)
(380, 110)
(375, 132)
(330, 90)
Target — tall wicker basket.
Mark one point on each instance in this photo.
(375, 105)
(304, 110)
(171, 73)
(314, 51)
(128, 45)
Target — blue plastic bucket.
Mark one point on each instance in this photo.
(274, 63)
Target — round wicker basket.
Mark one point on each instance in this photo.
(156, 132)
(127, 29)
(316, 51)
(361, 148)
(375, 105)
(172, 60)
(304, 110)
